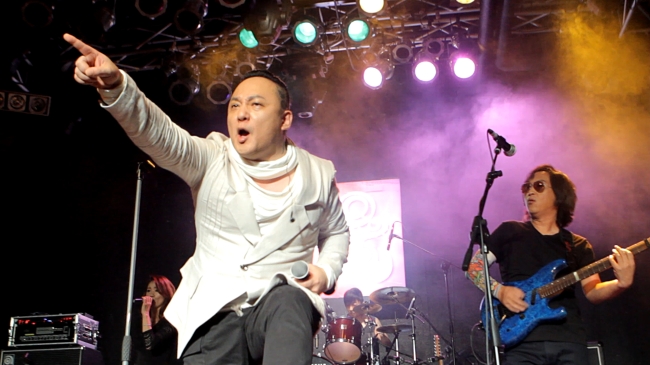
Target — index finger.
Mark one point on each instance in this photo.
(79, 45)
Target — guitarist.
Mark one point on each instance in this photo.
(523, 248)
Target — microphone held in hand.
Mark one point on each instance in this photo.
(508, 149)
(137, 300)
(300, 270)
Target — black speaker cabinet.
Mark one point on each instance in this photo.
(77, 355)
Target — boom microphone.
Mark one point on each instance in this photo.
(509, 149)
(391, 236)
(408, 311)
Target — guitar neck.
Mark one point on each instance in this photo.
(599, 266)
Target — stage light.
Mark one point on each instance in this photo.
(265, 21)
(434, 47)
(371, 6)
(231, 3)
(357, 30)
(245, 63)
(372, 77)
(424, 67)
(402, 53)
(375, 75)
(247, 38)
(187, 85)
(464, 2)
(37, 13)
(189, 18)
(151, 8)
(219, 92)
(306, 31)
(463, 66)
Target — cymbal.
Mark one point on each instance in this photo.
(394, 328)
(367, 308)
(392, 295)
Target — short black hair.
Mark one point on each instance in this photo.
(351, 296)
(283, 91)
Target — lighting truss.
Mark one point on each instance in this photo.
(149, 44)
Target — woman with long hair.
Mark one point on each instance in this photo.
(158, 341)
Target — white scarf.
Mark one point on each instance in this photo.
(265, 170)
(268, 205)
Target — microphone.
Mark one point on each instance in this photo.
(300, 270)
(137, 300)
(509, 149)
(390, 236)
(408, 311)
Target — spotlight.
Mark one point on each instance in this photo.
(306, 31)
(379, 67)
(463, 66)
(37, 13)
(187, 85)
(189, 18)
(424, 67)
(2, 99)
(463, 61)
(371, 7)
(231, 3)
(402, 53)
(247, 38)
(151, 8)
(357, 30)
(464, 2)
(265, 21)
(245, 64)
(434, 47)
(219, 92)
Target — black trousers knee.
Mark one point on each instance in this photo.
(278, 331)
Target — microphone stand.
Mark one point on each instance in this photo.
(478, 234)
(127, 341)
(445, 268)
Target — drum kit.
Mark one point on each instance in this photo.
(348, 342)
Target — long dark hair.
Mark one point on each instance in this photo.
(565, 194)
(165, 287)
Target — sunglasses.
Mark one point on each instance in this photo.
(538, 185)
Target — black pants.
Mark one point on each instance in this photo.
(547, 353)
(278, 331)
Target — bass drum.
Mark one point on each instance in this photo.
(322, 360)
(319, 360)
(343, 341)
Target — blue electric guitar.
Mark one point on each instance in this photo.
(539, 289)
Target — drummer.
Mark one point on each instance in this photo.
(357, 309)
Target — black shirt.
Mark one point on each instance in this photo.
(521, 251)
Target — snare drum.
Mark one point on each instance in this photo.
(343, 342)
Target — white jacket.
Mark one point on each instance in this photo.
(231, 257)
